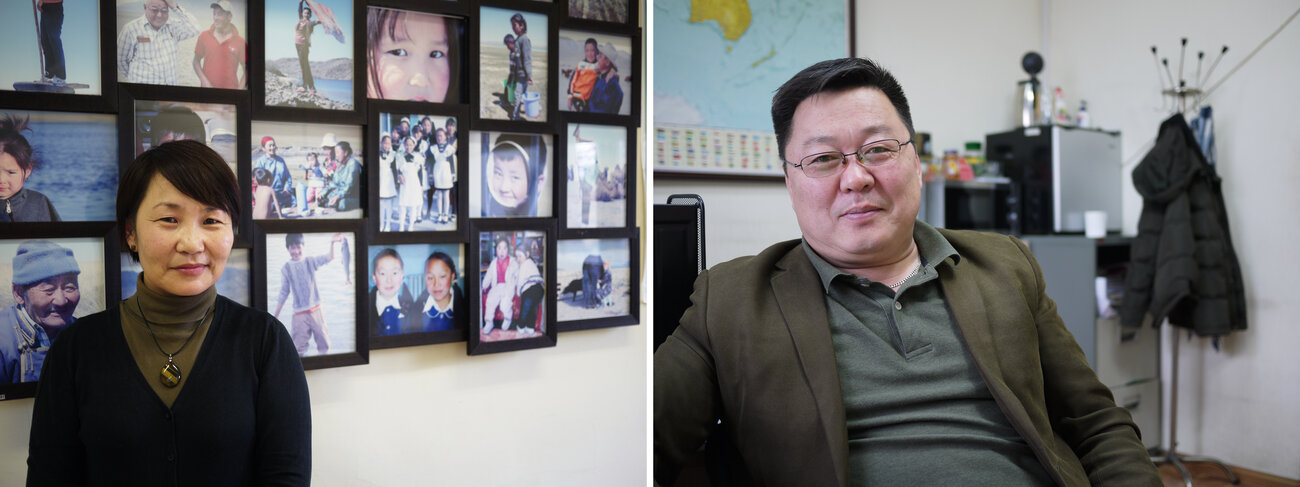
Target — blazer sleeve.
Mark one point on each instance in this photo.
(686, 396)
(283, 436)
(55, 453)
(1082, 409)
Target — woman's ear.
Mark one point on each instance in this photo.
(130, 236)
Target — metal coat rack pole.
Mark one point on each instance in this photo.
(1169, 455)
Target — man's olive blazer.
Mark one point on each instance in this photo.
(755, 351)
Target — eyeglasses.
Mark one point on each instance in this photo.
(879, 153)
(157, 11)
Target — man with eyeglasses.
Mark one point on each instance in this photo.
(878, 350)
(147, 46)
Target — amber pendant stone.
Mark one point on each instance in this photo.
(171, 375)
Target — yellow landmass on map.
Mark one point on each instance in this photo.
(732, 15)
(771, 54)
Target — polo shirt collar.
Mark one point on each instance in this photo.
(934, 248)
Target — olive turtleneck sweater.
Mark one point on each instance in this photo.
(172, 319)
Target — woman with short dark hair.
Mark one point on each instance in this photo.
(176, 385)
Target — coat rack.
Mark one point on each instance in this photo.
(1179, 93)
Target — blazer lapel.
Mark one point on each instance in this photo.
(802, 301)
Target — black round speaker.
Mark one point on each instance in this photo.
(1032, 62)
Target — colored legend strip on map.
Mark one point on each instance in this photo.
(706, 150)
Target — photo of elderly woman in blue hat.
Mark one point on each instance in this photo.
(46, 292)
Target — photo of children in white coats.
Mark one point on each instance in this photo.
(304, 170)
(309, 289)
(596, 189)
(416, 288)
(512, 286)
(593, 278)
(418, 182)
(44, 178)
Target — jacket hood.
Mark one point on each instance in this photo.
(1172, 164)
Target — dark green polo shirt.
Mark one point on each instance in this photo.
(916, 408)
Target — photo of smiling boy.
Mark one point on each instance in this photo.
(412, 56)
(298, 277)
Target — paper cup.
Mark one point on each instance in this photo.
(1094, 224)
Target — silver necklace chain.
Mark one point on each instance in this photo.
(900, 282)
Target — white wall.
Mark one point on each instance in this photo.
(430, 415)
(1240, 403)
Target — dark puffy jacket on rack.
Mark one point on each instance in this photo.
(1183, 265)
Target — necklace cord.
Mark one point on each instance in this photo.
(155, 337)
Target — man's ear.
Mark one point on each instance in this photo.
(18, 295)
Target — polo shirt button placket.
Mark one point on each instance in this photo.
(898, 306)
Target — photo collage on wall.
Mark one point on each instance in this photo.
(385, 156)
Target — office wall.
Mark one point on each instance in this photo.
(1237, 403)
(958, 63)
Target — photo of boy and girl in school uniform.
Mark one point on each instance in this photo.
(512, 68)
(428, 299)
(512, 287)
(417, 173)
(293, 177)
(315, 281)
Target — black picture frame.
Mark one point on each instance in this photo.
(546, 102)
(380, 107)
(564, 168)
(106, 233)
(258, 83)
(129, 94)
(361, 336)
(633, 286)
(105, 102)
(547, 337)
(417, 337)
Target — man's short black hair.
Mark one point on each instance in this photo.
(177, 119)
(834, 75)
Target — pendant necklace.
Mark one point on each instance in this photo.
(171, 373)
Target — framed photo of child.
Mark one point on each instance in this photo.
(510, 175)
(595, 73)
(57, 166)
(596, 283)
(308, 52)
(596, 188)
(416, 294)
(54, 282)
(414, 56)
(513, 69)
(235, 282)
(512, 264)
(418, 177)
(310, 288)
(306, 170)
(35, 35)
(183, 43)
